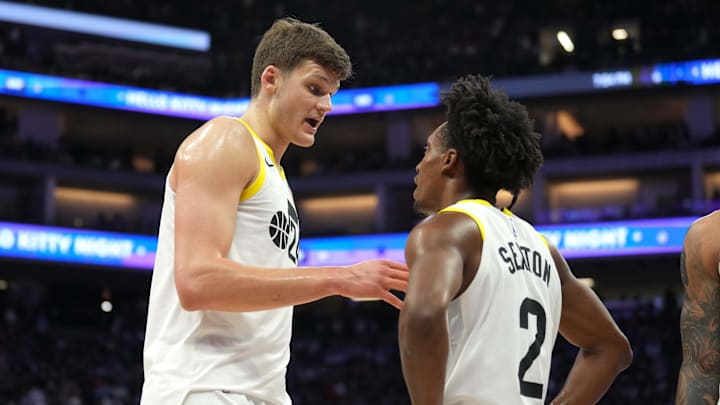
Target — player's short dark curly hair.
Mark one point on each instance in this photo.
(493, 135)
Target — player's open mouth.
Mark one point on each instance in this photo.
(313, 122)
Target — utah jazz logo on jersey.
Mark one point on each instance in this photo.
(284, 231)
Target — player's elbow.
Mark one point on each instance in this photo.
(624, 352)
(416, 320)
(615, 351)
(188, 288)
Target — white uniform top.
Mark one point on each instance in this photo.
(242, 352)
(502, 328)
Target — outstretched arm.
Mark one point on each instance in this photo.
(586, 323)
(210, 171)
(700, 318)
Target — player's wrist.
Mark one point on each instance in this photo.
(331, 280)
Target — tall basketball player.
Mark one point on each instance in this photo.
(700, 318)
(487, 294)
(225, 277)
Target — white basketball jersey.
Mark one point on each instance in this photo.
(503, 326)
(239, 352)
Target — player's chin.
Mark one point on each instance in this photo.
(305, 140)
(416, 204)
(415, 195)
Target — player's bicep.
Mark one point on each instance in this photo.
(204, 217)
(436, 266)
(208, 184)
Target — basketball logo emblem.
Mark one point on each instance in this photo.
(280, 229)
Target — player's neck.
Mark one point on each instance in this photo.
(256, 117)
(458, 192)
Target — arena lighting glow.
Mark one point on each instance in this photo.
(106, 306)
(697, 72)
(354, 101)
(53, 88)
(84, 23)
(619, 78)
(619, 34)
(565, 41)
(623, 238)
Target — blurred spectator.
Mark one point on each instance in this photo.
(343, 352)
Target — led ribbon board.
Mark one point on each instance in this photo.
(623, 238)
(92, 24)
(353, 101)
(695, 72)
(118, 97)
(46, 243)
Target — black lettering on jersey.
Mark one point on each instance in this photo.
(537, 263)
(295, 244)
(526, 261)
(546, 273)
(503, 254)
(525, 258)
(284, 231)
(518, 266)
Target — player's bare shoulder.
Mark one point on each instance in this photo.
(710, 220)
(449, 228)
(701, 249)
(220, 145)
(218, 135)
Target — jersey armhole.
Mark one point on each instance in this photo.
(543, 239)
(255, 186)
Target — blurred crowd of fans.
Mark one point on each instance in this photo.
(57, 352)
(389, 42)
(616, 144)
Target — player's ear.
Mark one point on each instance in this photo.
(451, 160)
(270, 78)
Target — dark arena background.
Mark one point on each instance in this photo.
(624, 93)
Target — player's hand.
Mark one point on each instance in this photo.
(373, 280)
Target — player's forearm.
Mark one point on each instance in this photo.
(423, 352)
(223, 285)
(592, 374)
(696, 385)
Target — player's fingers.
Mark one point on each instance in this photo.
(393, 264)
(392, 300)
(397, 285)
(397, 265)
(399, 275)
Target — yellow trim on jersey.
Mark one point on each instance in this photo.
(484, 202)
(454, 208)
(255, 186)
(544, 239)
(267, 148)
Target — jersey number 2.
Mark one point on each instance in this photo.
(530, 306)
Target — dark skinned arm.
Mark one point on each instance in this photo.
(700, 318)
(437, 253)
(586, 323)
